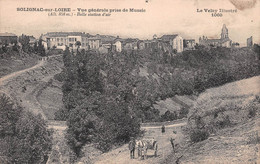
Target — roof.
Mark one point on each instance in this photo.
(191, 40)
(107, 42)
(64, 34)
(217, 40)
(119, 39)
(225, 40)
(32, 37)
(168, 37)
(7, 34)
(94, 38)
(213, 40)
(130, 40)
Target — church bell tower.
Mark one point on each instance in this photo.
(224, 32)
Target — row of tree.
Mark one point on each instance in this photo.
(106, 97)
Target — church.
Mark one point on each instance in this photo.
(224, 40)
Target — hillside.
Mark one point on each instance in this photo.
(15, 63)
(234, 144)
(237, 140)
(24, 86)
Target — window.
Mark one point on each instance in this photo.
(75, 39)
(61, 39)
(58, 39)
(69, 39)
(82, 44)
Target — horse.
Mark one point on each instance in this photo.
(145, 144)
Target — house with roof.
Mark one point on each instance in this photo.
(111, 45)
(94, 43)
(62, 39)
(175, 41)
(130, 44)
(8, 38)
(32, 40)
(118, 42)
(224, 40)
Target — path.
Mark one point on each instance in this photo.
(121, 155)
(15, 74)
(12, 85)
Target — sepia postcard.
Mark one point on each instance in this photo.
(129, 81)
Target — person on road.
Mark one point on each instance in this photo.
(172, 143)
(163, 129)
(132, 148)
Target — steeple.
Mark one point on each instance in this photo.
(224, 32)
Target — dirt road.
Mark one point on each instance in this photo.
(41, 62)
(122, 156)
(22, 86)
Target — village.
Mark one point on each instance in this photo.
(106, 43)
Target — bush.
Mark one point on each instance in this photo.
(183, 113)
(24, 138)
(198, 135)
(252, 112)
(60, 77)
(224, 123)
(168, 116)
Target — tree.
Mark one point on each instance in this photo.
(33, 141)
(185, 43)
(24, 40)
(78, 44)
(9, 115)
(35, 47)
(169, 116)
(24, 138)
(15, 47)
(41, 49)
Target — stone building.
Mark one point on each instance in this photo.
(176, 41)
(224, 40)
(249, 42)
(62, 39)
(8, 38)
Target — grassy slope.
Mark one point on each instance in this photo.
(237, 143)
(14, 64)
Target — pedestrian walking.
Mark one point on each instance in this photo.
(132, 148)
(163, 129)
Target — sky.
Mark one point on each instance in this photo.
(161, 17)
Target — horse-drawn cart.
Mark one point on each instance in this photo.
(144, 144)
